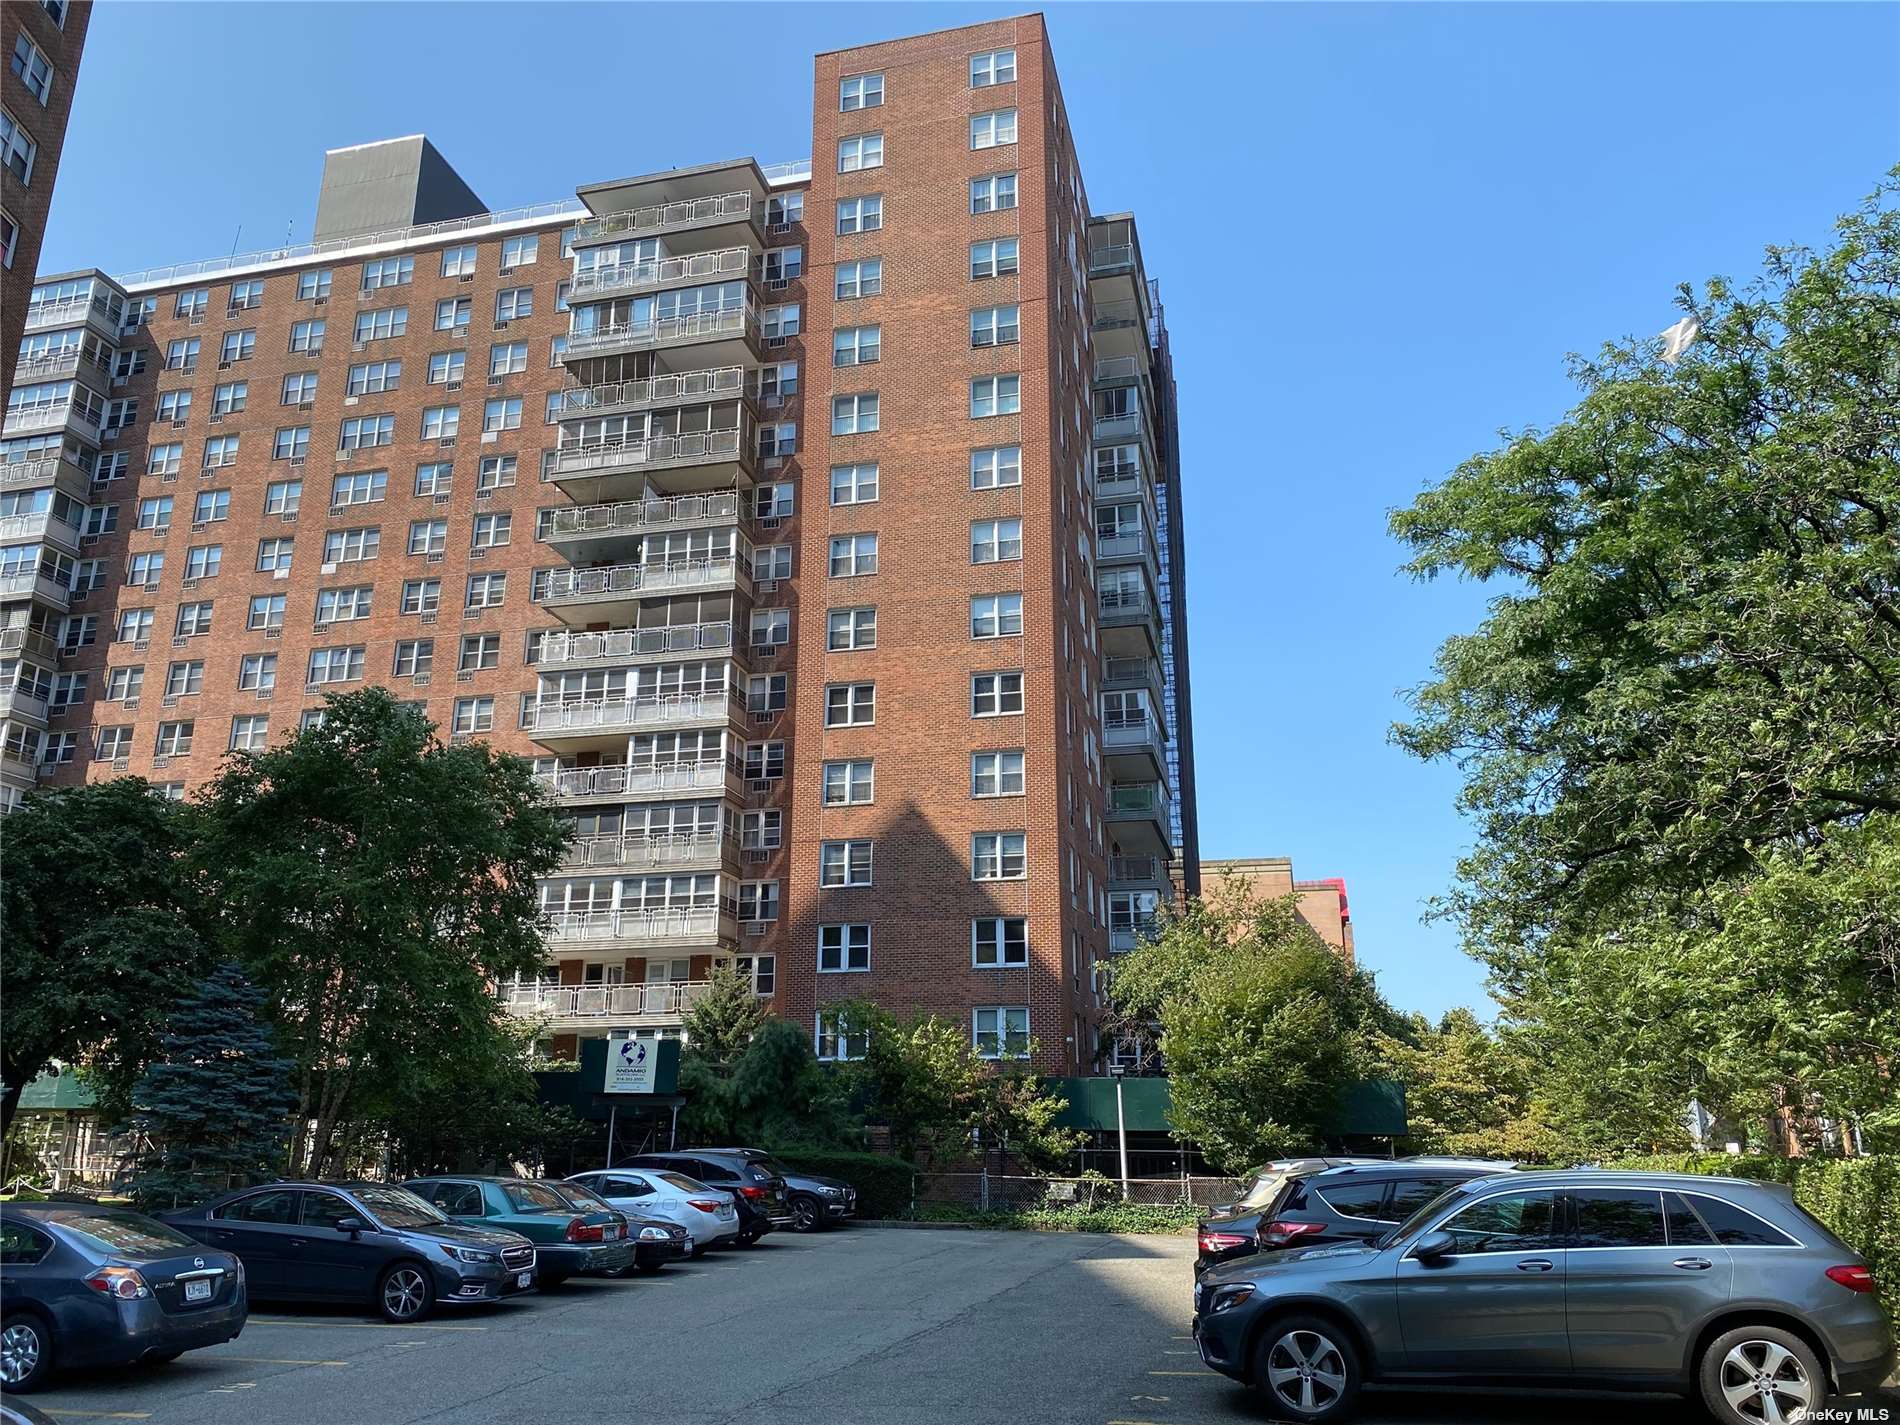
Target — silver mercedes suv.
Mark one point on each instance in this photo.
(1652, 1281)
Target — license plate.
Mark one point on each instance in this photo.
(524, 1279)
(688, 1244)
(612, 1234)
(198, 1290)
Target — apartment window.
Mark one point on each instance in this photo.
(33, 67)
(996, 694)
(194, 620)
(145, 569)
(764, 761)
(778, 440)
(505, 360)
(343, 605)
(282, 497)
(374, 377)
(184, 680)
(998, 856)
(998, 66)
(165, 459)
(853, 484)
(854, 415)
(336, 665)
(257, 672)
(9, 238)
(996, 774)
(17, 151)
(495, 472)
(486, 591)
(996, 941)
(847, 630)
(414, 657)
(191, 304)
(473, 715)
(848, 783)
(521, 250)
(852, 555)
(863, 278)
(993, 193)
(421, 596)
(765, 692)
(125, 685)
(291, 443)
(844, 863)
(513, 302)
(174, 406)
(452, 313)
(274, 554)
(782, 264)
(771, 628)
(995, 396)
(307, 337)
(458, 261)
(993, 541)
(772, 561)
(860, 91)
(135, 625)
(248, 295)
(379, 326)
(492, 531)
(441, 422)
(758, 900)
(784, 209)
(388, 272)
(994, 129)
(365, 487)
(1001, 1032)
(855, 346)
(860, 151)
(366, 432)
(861, 215)
(238, 346)
(312, 717)
(174, 739)
(772, 502)
(204, 561)
(351, 546)
(502, 413)
(229, 397)
(114, 743)
(996, 616)
(995, 326)
(299, 386)
(220, 450)
(155, 513)
(850, 704)
(435, 478)
(761, 830)
(182, 355)
(996, 258)
(844, 949)
(267, 611)
(313, 286)
(446, 367)
(836, 1039)
(996, 466)
(250, 733)
(781, 321)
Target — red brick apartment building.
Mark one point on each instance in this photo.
(815, 529)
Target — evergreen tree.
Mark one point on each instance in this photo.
(212, 1109)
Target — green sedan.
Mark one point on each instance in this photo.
(567, 1242)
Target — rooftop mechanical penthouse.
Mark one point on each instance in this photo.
(814, 528)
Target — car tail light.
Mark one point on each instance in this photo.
(122, 1283)
(1278, 1234)
(752, 1194)
(1853, 1278)
(1221, 1241)
(579, 1231)
(704, 1204)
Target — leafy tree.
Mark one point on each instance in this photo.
(1468, 1091)
(1261, 1023)
(378, 881)
(772, 1092)
(1684, 703)
(211, 1110)
(99, 935)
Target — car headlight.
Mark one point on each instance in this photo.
(834, 1192)
(468, 1254)
(654, 1234)
(1228, 1297)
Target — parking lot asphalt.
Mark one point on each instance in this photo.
(855, 1327)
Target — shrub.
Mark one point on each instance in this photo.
(883, 1183)
(1067, 1217)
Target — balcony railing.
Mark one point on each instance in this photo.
(642, 851)
(1122, 427)
(1129, 729)
(1123, 545)
(1137, 868)
(21, 639)
(1136, 797)
(614, 714)
(623, 645)
(29, 472)
(606, 1002)
(660, 331)
(1131, 670)
(621, 779)
(1124, 603)
(1111, 257)
(37, 525)
(678, 923)
(1117, 314)
(52, 365)
(619, 580)
(632, 276)
(643, 514)
(66, 313)
(29, 419)
(690, 447)
(710, 384)
(719, 207)
(27, 583)
(1126, 935)
(17, 700)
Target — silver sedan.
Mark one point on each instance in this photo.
(707, 1213)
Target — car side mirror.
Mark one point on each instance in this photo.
(351, 1225)
(1434, 1246)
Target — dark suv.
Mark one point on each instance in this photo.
(1355, 1203)
(817, 1201)
(758, 1193)
(1650, 1281)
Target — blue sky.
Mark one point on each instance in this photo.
(1378, 230)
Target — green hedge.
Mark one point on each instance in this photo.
(1858, 1199)
(1072, 1217)
(884, 1183)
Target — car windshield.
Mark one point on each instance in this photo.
(126, 1233)
(682, 1182)
(1265, 1188)
(534, 1197)
(1411, 1224)
(770, 1165)
(582, 1196)
(398, 1207)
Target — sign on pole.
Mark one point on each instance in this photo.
(630, 1066)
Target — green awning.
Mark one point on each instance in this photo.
(1375, 1108)
(53, 1092)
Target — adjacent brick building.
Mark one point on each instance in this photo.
(815, 528)
(1322, 904)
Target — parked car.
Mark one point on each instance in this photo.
(759, 1194)
(1232, 1229)
(817, 1202)
(655, 1242)
(705, 1214)
(1267, 1180)
(95, 1286)
(567, 1240)
(355, 1241)
(1655, 1281)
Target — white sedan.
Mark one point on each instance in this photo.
(707, 1213)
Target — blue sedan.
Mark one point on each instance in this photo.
(97, 1286)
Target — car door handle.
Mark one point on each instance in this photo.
(1692, 1264)
(1536, 1264)
(299, 1242)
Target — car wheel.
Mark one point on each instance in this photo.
(807, 1215)
(1761, 1373)
(404, 1294)
(26, 1353)
(1307, 1369)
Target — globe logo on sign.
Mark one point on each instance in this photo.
(633, 1052)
